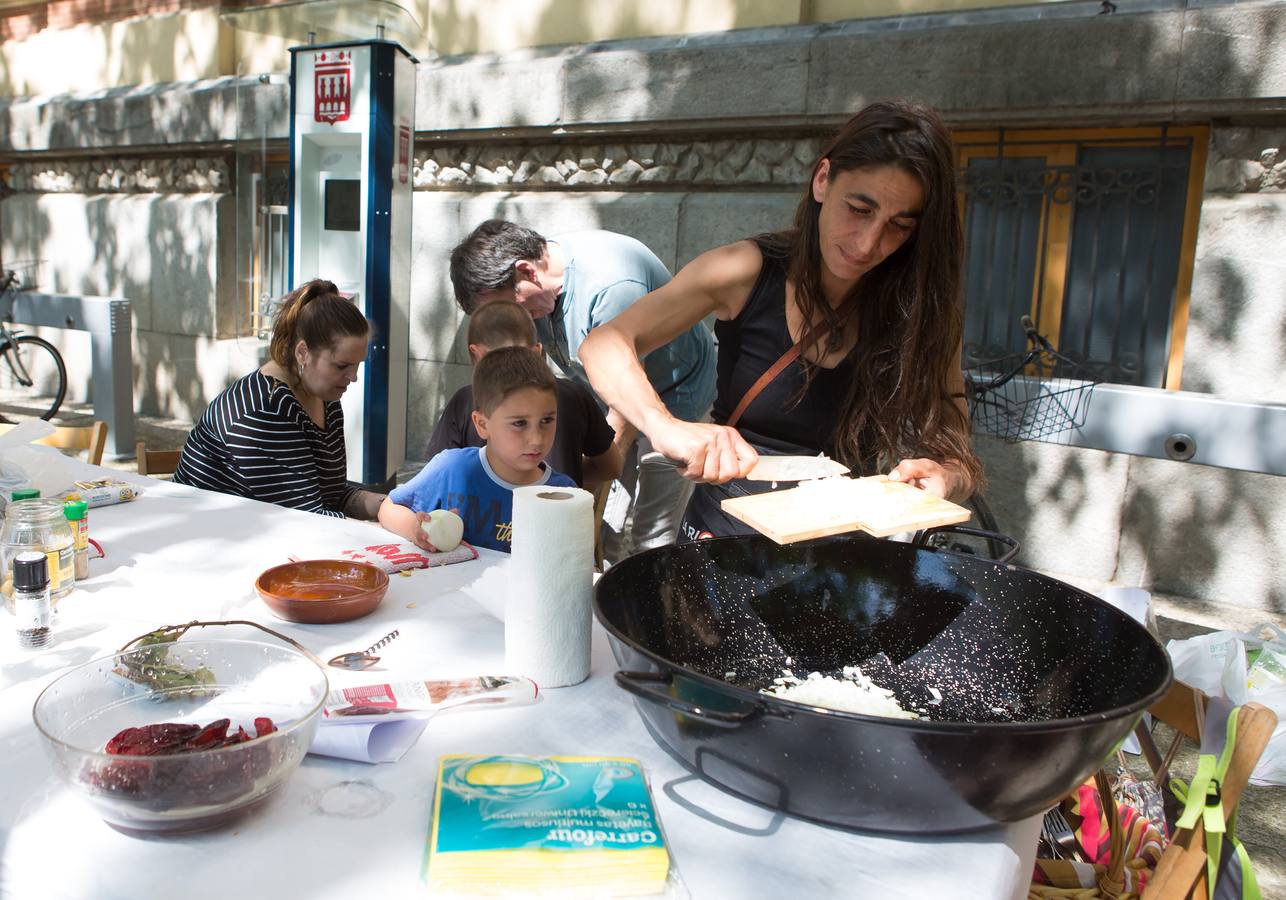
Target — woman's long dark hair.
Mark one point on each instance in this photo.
(909, 309)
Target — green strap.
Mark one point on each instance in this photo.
(1203, 798)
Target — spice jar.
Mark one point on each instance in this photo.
(38, 525)
(32, 606)
(76, 512)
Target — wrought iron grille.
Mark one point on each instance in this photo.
(1086, 238)
(272, 248)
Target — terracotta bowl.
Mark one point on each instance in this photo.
(322, 591)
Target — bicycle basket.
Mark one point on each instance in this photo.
(1030, 396)
(27, 272)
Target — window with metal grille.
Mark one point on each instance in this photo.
(270, 245)
(1092, 234)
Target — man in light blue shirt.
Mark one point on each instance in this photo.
(571, 284)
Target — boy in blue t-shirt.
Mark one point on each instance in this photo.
(516, 414)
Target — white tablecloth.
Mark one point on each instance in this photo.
(346, 830)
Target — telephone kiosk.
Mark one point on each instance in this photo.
(352, 111)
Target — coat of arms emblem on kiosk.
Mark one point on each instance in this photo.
(332, 86)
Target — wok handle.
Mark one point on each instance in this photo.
(637, 684)
(922, 538)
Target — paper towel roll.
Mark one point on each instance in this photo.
(551, 577)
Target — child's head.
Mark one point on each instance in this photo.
(516, 411)
(500, 323)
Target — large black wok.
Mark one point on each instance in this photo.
(1039, 681)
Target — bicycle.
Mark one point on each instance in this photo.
(33, 375)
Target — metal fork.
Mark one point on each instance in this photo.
(1061, 837)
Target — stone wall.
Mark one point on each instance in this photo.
(1205, 536)
(170, 254)
(121, 175)
(1238, 315)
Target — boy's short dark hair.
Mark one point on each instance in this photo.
(485, 260)
(503, 371)
(502, 323)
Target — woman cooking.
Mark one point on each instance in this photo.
(277, 434)
(841, 335)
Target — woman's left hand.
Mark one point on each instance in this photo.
(930, 475)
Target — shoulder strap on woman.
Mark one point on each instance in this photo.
(774, 370)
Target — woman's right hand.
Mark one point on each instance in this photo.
(715, 283)
(712, 453)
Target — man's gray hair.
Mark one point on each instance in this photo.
(485, 260)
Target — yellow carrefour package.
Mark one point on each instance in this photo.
(553, 825)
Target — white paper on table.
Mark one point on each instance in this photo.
(379, 723)
(378, 742)
(1137, 604)
(489, 590)
(1134, 602)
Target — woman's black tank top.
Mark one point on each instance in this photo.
(748, 346)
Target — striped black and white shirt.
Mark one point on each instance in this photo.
(255, 440)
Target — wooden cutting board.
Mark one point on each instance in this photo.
(839, 505)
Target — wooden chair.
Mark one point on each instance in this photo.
(91, 438)
(156, 462)
(1181, 874)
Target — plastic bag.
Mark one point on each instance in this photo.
(24, 464)
(1242, 667)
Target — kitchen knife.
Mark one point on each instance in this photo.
(783, 468)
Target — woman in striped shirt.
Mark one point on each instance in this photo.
(277, 434)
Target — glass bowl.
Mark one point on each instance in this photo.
(195, 682)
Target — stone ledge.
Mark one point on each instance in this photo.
(1246, 160)
(742, 160)
(117, 175)
(214, 111)
(1054, 64)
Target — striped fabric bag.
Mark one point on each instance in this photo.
(1124, 848)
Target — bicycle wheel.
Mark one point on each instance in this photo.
(32, 375)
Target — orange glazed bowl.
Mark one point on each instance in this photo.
(322, 591)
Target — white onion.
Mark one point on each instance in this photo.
(852, 693)
(444, 529)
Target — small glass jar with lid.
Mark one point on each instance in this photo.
(38, 525)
